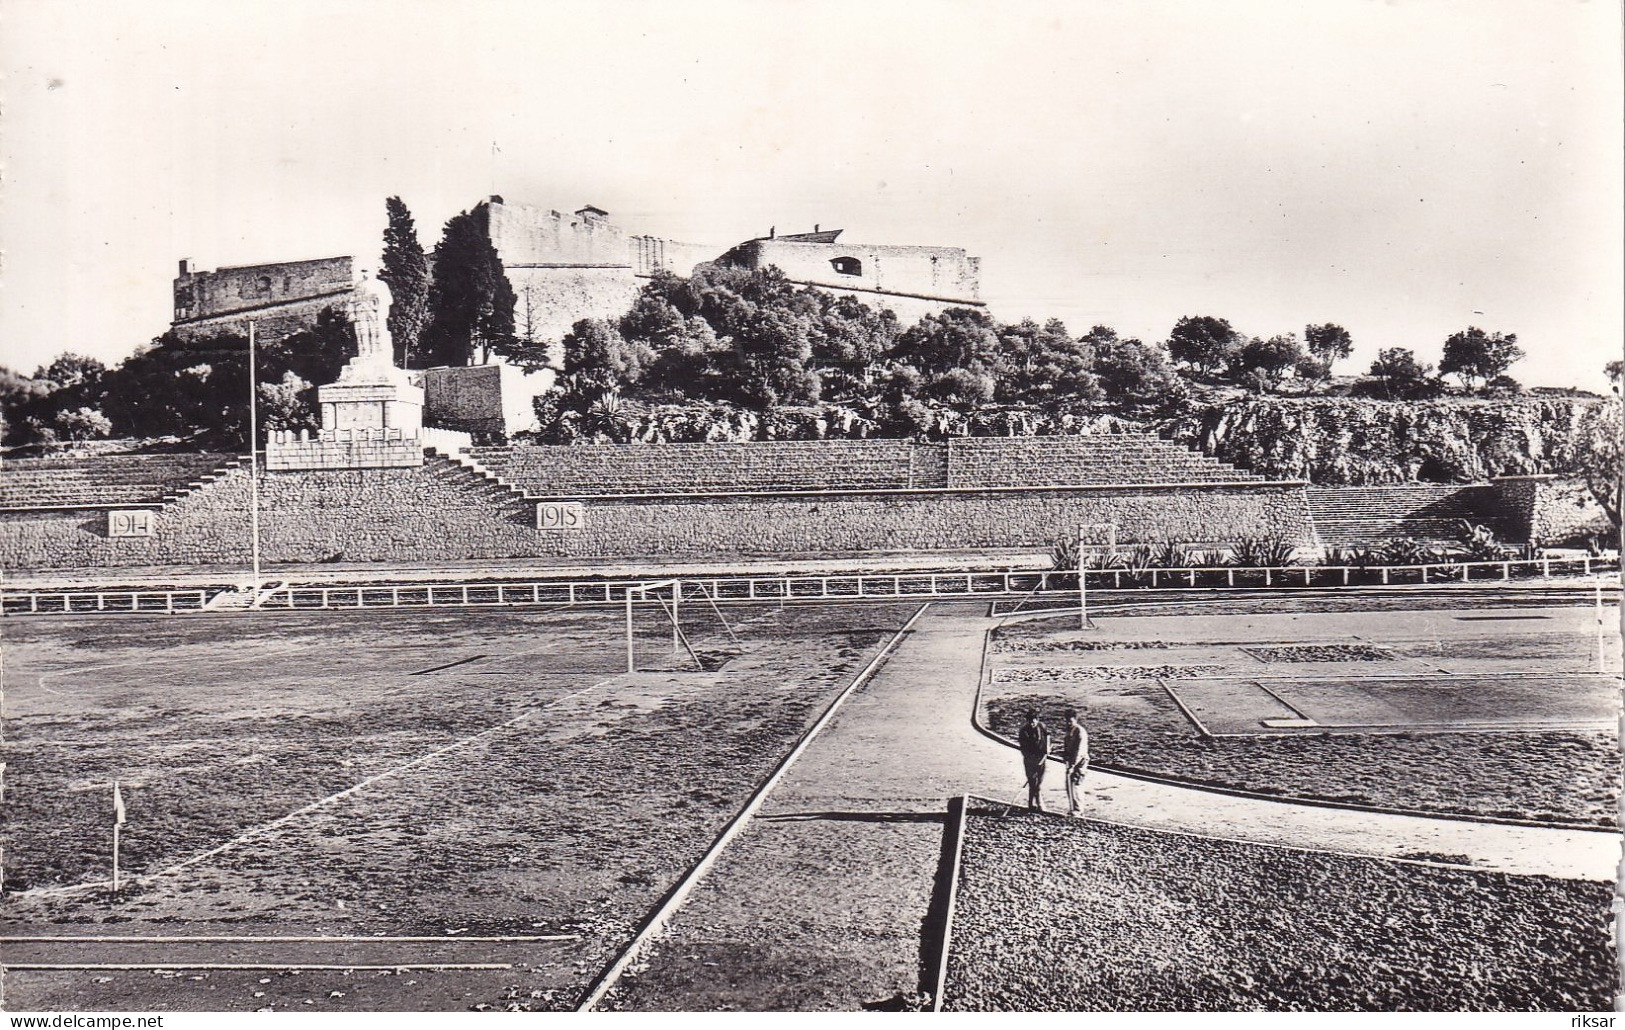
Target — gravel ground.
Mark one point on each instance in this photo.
(1056, 914)
(1321, 653)
(1107, 672)
(1553, 776)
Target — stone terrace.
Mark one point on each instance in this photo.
(1132, 459)
(1117, 459)
(107, 480)
(603, 469)
(1359, 516)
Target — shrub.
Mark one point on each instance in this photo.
(1261, 552)
(1478, 543)
(1405, 551)
(1352, 557)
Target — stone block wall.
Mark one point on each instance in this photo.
(441, 511)
(485, 399)
(282, 298)
(598, 469)
(1556, 511)
(343, 449)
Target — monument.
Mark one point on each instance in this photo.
(372, 415)
(371, 393)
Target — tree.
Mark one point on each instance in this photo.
(685, 349)
(1330, 343)
(1132, 373)
(69, 370)
(599, 361)
(1044, 363)
(956, 338)
(1477, 357)
(285, 404)
(1270, 359)
(471, 301)
(82, 424)
(1312, 369)
(1203, 342)
(1615, 371)
(1397, 375)
(1598, 455)
(405, 270)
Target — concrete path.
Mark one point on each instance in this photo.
(908, 741)
(825, 901)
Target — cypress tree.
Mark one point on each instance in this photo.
(470, 299)
(405, 270)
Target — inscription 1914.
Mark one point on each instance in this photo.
(135, 522)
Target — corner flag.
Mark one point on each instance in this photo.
(118, 805)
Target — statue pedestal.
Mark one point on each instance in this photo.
(371, 418)
(384, 401)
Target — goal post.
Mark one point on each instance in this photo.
(1085, 532)
(656, 609)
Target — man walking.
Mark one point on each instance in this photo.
(1035, 743)
(1075, 750)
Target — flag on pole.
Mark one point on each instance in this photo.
(118, 806)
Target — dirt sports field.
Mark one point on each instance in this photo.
(486, 792)
(1490, 713)
(474, 809)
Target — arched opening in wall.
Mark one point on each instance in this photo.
(846, 265)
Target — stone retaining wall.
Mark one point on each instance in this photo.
(1562, 511)
(443, 512)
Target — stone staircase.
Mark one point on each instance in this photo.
(243, 598)
(462, 467)
(108, 480)
(1360, 516)
(214, 475)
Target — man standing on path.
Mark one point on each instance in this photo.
(1075, 750)
(1035, 744)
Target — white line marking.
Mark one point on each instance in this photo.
(337, 939)
(313, 806)
(14, 966)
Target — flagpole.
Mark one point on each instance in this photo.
(254, 458)
(118, 819)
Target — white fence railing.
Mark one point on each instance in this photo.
(834, 587)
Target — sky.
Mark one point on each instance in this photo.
(1404, 169)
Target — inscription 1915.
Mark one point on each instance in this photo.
(561, 515)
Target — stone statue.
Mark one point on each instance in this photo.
(369, 309)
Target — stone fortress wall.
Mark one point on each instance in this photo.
(898, 277)
(563, 266)
(281, 298)
(566, 266)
